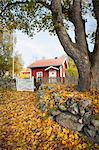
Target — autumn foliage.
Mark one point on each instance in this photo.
(24, 127)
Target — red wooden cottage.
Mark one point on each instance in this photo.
(49, 69)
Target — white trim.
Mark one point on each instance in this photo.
(62, 74)
(39, 73)
(30, 73)
(51, 73)
(64, 61)
(60, 71)
(66, 57)
(52, 68)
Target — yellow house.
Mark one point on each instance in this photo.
(25, 73)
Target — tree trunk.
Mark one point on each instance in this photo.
(95, 77)
(95, 70)
(84, 71)
(84, 81)
(88, 76)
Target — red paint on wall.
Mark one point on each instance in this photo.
(58, 73)
(46, 73)
(35, 70)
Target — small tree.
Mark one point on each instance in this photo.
(72, 69)
(6, 52)
(18, 63)
(6, 49)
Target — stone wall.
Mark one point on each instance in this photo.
(7, 83)
(73, 114)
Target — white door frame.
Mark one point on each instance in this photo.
(52, 76)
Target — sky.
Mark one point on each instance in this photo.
(41, 45)
(44, 45)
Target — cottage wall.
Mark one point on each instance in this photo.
(58, 73)
(35, 70)
(45, 73)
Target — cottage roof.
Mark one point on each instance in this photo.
(48, 62)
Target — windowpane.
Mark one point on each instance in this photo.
(39, 74)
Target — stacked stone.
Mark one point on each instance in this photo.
(78, 117)
(40, 95)
(7, 84)
(72, 114)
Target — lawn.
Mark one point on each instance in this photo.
(24, 127)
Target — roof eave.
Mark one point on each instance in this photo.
(44, 66)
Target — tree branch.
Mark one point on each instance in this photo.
(61, 31)
(76, 18)
(96, 9)
(95, 53)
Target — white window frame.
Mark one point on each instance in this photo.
(39, 74)
(51, 74)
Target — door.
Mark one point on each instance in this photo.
(39, 76)
(52, 76)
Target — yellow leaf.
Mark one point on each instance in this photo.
(84, 145)
(76, 136)
(65, 137)
(49, 131)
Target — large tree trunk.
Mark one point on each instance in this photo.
(95, 54)
(95, 77)
(88, 77)
(95, 69)
(84, 78)
(88, 70)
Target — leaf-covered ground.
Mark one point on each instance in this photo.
(24, 127)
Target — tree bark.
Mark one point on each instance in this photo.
(79, 23)
(95, 69)
(95, 77)
(95, 53)
(88, 74)
(84, 78)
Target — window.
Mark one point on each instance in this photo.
(39, 74)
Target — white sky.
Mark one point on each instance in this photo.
(42, 45)
(45, 45)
